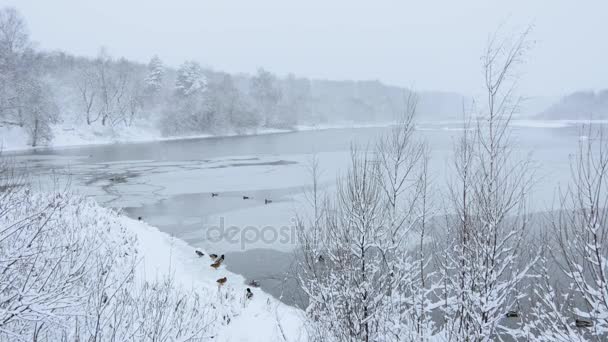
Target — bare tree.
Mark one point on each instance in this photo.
(346, 295)
(365, 278)
(573, 296)
(486, 225)
(266, 93)
(40, 113)
(87, 88)
(14, 43)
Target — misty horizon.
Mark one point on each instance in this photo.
(427, 47)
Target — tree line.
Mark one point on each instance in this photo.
(40, 89)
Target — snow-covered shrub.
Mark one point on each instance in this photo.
(68, 272)
(362, 258)
(483, 258)
(573, 290)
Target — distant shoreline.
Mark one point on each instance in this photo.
(148, 137)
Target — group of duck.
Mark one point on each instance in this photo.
(266, 200)
(217, 262)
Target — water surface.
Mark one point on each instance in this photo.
(169, 183)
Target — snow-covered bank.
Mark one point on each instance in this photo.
(263, 318)
(74, 270)
(343, 125)
(15, 138)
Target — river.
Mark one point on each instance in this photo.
(169, 184)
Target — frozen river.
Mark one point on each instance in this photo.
(170, 183)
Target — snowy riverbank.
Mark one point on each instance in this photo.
(15, 138)
(263, 318)
(106, 275)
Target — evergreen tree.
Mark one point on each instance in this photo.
(190, 79)
(155, 76)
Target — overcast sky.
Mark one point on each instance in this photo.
(431, 45)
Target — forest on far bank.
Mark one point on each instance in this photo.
(39, 89)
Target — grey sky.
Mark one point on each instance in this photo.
(426, 44)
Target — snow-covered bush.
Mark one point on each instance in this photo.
(364, 255)
(484, 258)
(68, 272)
(362, 258)
(573, 290)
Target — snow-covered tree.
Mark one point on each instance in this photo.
(16, 68)
(484, 262)
(403, 174)
(88, 93)
(109, 91)
(190, 79)
(266, 93)
(155, 77)
(25, 99)
(363, 279)
(40, 112)
(573, 290)
(295, 102)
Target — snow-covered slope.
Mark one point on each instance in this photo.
(261, 318)
(16, 138)
(71, 269)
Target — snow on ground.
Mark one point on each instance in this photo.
(262, 318)
(93, 238)
(343, 125)
(16, 138)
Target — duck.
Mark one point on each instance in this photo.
(222, 281)
(221, 258)
(512, 314)
(248, 294)
(199, 253)
(267, 201)
(216, 264)
(214, 194)
(213, 256)
(245, 197)
(583, 323)
(139, 218)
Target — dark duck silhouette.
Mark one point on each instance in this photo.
(245, 197)
(199, 253)
(512, 314)
(213, 256)
(214, 194)
(583, 323)
(249, 294)
(222, 281)
(267, 201)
